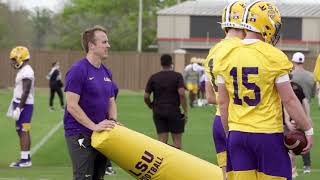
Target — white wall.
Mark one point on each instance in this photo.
(311, 29)
(173, 27)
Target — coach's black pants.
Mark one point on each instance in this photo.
(87, 162)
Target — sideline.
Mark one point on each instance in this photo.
(45, 138)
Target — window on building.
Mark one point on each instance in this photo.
(205, 27)
(291, 28)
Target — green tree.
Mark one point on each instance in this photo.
(15, 27)
(41, 22)
(120, 17)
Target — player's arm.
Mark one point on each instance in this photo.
(113, 114)
(306, 106)
(182, 96)
(185, 73)
(147, 99)
(211, 97)
(295, 110)
(26, 85)
(305, 102)
(198, 68)
(183, 101)
(147, 93)
(77, 112)
(223, 103)
(292, 105)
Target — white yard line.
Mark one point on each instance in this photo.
(45, 138)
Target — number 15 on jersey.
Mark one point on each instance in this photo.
(246, 72)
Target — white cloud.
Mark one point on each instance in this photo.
(54, 5)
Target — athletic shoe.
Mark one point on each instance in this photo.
(306, 169)
(21, 164)
(109, 171)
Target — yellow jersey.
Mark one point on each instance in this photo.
(249, 73)
(316, 72)
(215, 53)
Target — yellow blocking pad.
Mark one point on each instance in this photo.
(147, 159)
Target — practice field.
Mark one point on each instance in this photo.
(50, 157)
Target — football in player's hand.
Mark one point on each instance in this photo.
(295, 141)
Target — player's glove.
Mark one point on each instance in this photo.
(16, 113)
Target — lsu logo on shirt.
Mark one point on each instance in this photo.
(107, 79)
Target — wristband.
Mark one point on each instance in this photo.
(309, 132)
(112, 119)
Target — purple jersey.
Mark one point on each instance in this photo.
(95, 87)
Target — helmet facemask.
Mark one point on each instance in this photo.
(276, 36)
(15, 64)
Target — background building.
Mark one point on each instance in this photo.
(193, 26)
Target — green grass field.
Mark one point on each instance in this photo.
(51, 161)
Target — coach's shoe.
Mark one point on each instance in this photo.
(306, 169)
(21, 164)
(110, 171)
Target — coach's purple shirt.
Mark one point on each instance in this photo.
(95, 88)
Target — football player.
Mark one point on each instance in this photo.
(305, 79)
(253, 81)
(316, 75)
(21, 107)
(191, 80)
(231, 24)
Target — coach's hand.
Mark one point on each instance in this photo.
(16, 113)
(115, 121)
(104, 125)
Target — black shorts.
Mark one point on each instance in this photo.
(87, 162)
(168, 120)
